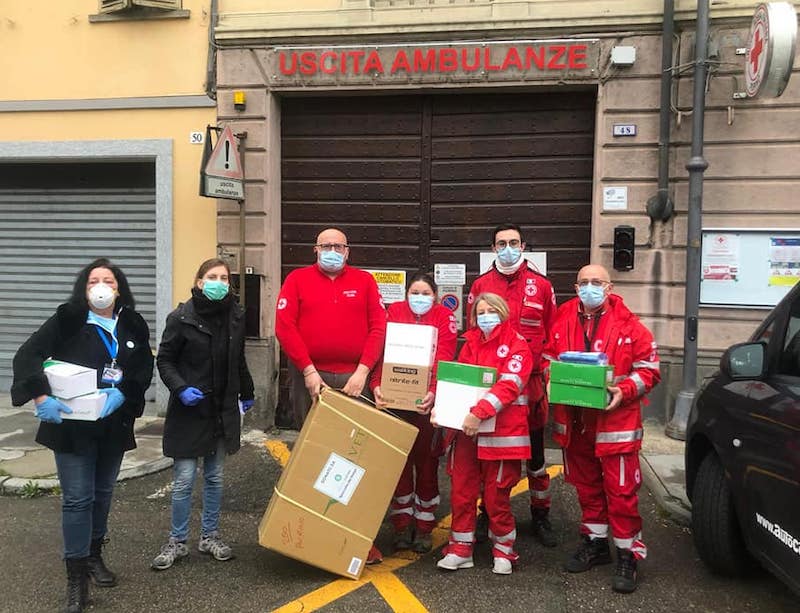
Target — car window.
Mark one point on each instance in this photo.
(789, 363)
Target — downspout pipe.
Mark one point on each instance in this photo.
(211, 60)
(696, 166)
(660, 207)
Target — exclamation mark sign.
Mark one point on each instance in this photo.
(227, 154)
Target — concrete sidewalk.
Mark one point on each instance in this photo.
(26, 466)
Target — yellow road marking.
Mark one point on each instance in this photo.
(382, 576)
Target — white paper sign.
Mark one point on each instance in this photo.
(339, 478)
(615, 198)
(450, 274)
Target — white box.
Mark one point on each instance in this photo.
(459, 387)
(70, 380)
(86, 408)
(407, 364)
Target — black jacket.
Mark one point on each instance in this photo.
(188, 356)
(66, 336)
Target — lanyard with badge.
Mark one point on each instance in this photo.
(112, 373)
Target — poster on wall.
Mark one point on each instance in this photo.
(391, 284)
(784, 260)
(720, 258)
(748, 268)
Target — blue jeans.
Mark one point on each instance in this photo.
(184, 471)
(87, 485)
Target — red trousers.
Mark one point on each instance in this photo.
(416, 496)
(607, 491)
(495, 478)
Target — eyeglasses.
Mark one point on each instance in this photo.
(514, 244)
(337, 247)
(593, 282)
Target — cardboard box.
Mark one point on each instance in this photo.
(591, 375)
(86, 408)
(408, 357)
(70, 380)
(458, 389)
(579, 395)
(333, 494)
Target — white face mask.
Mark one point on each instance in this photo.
(101, 296)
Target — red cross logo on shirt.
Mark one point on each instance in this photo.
(756, 49)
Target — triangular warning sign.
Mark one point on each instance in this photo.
(224, 160)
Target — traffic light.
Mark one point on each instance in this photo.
(624, 247)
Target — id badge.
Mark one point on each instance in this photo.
(112, 374)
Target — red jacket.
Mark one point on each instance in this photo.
(531, 302)
(334, 324)
(632, 351)
(439, 317)
(507, 351)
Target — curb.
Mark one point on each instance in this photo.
(16, 486)
(673, 505)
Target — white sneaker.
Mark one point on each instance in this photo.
(453, 562)
(501, 566)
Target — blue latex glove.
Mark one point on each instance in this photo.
(191, 396)
(246, 405)
(114, 400)
(50, 410)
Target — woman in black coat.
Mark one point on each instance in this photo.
(201, 360)
(97, 328)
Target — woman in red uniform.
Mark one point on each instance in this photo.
(481, 461)
(417, 494)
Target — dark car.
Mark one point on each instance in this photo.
(743, 453)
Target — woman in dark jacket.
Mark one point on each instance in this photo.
(201, 360)
(97, 328)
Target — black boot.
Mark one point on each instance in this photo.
(98, 570)
(625, 574)
(591, 552)
(541, 528)
(77, 585)
(482, 525)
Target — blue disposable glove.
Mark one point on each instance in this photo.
(245, 405)
(191, 396)
(50, 410)
(114, 400)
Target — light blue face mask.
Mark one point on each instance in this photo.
(591, 296)
(420, 303)
(488, 322)
(331, 261)
(508, 255)
(215, 290)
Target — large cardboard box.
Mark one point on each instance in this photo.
(333, 494)
(590, 375)
(85, 408)
(579, 395)
(408, 357)
(458, 389)
(70, 380)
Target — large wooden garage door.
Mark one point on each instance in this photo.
(419, 180)
(416, 180)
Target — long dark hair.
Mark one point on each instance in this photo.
(125, 297)
(425, 278)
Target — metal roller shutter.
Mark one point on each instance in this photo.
(48, 235)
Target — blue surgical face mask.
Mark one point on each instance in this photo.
(420, 303)
(331, 261)
(215, 290)
(488, 322)
(591, 296)
(508, 255)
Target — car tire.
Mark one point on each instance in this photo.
(715, 527)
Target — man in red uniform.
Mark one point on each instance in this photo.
(601, 447)
(331, 324)
(532, 306)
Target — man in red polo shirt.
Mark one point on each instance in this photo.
(331, 324)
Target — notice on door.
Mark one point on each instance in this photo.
(391, 284)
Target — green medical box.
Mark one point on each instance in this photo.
(579, 395)
(591, 375)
